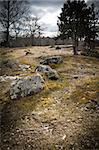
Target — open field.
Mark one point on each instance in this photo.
(64, 116)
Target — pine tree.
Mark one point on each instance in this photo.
(91, 28)
(77, 21)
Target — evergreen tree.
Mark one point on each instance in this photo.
(77, 21)
(91, 28)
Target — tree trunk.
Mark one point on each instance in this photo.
(74, 50)
(7, 37)
(32, 40)
(75, 46)
(8, 20)
(93, 44)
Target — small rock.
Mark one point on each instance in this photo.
(57, 48)
(53, 75)
(27, 53)
(43, 68)
(75, 77)
(24, 67)
(52, 46)
(63, 138)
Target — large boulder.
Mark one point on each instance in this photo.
(52, 60)
(26, 86)
(51, 73)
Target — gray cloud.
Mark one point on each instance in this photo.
(47, 2)
(37, 11)
(96, 2)
(48, 10)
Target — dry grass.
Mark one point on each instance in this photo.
(54, 118)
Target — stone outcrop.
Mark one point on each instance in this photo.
(26, 86)
(51, 73)
(52, 60)
(5, 78)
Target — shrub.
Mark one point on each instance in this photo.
(92, 53)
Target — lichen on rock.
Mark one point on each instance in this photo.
(26, 86)
(52, 60)
(51, 73)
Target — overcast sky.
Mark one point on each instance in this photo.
(48, 10)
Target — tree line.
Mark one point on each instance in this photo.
(79, 21)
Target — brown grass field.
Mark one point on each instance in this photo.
(64, 116)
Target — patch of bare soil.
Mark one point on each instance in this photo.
(65, 116)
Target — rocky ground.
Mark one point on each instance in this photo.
(63, 116)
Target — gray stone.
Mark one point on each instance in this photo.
(24, 67)
(8, 78)
(7, 63)
(43, 68)
(51, 73)
(26, 86)
(57, 48)
(52, 60)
